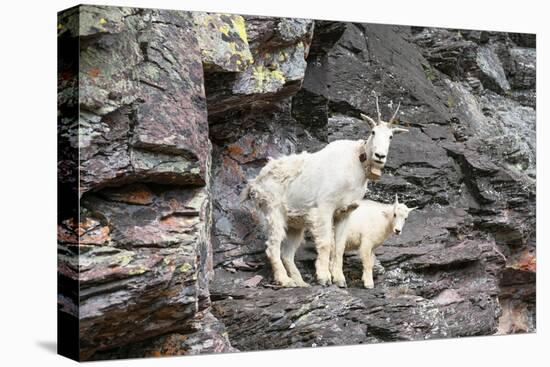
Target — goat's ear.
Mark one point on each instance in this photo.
(413, 208)
(371, 122)
(399, 130)
(387, 213)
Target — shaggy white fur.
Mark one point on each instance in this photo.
(303, 191)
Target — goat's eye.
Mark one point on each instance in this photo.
(394, 215)
(391, 136)
(372, 133)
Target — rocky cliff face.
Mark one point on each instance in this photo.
(178, 110)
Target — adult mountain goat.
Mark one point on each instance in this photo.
(364, 229)
(302, 191)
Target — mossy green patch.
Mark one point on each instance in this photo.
(429, 72)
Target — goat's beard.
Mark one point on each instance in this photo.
(373, 170)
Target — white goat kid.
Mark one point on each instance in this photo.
(302, 191)
(365, 229)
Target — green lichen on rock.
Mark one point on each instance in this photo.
(223, 42)
(429, 72)
(272, 70)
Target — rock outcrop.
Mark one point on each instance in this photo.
(178, 110)
(139, 246)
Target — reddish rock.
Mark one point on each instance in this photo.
(132, 194)
(526, 262)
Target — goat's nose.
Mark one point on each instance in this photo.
(397, 231)
(380, 156)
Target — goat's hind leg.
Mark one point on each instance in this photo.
(276, 226)
(344, 211)
(294, 239)
(367, 257)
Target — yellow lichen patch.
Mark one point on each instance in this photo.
(264, 78)
(240, 28)
(221, 41)
(259, 75)
(138, 270)
(278, 75)
(185, 268)
(59, 26)
(224, 28)
(103, 21)
(243, 56)
(125, 259)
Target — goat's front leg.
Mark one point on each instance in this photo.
(337, 261)
(367, 259)
(323, 233)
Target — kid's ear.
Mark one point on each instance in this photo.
(386, 213)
